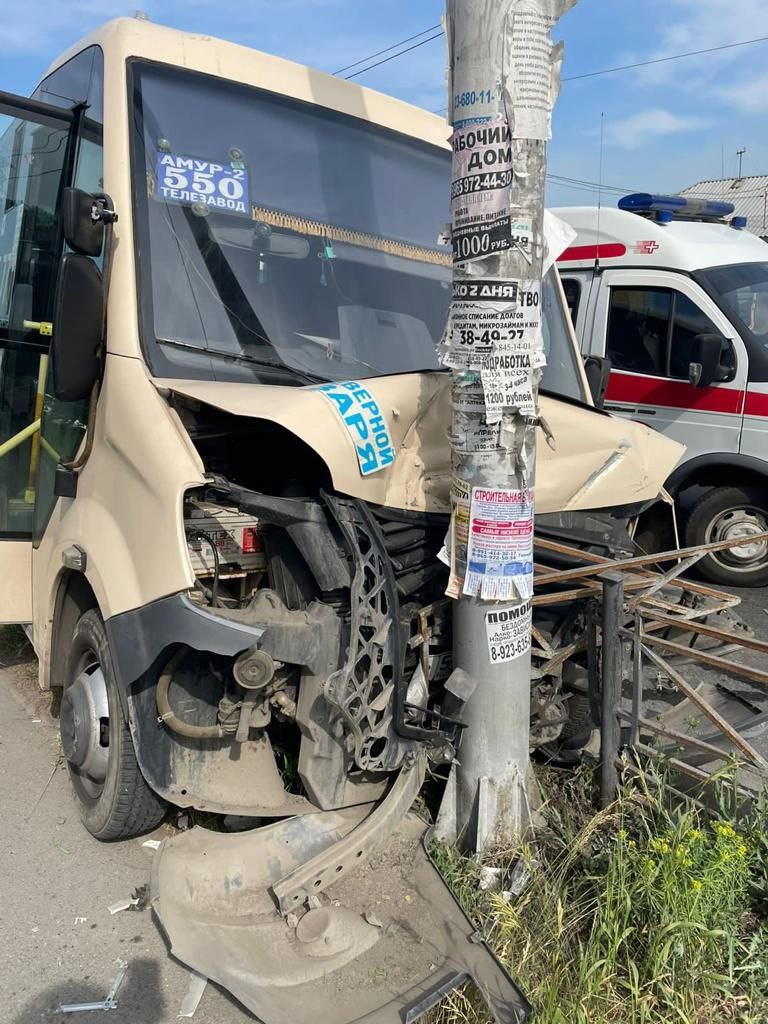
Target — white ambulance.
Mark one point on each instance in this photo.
(673, 294)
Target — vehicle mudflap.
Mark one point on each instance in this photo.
(382, 945)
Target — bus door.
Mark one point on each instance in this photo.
(37, 148)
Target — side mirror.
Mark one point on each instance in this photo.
(598, 370)
(706, 356)
(78, 328)
(84, 216)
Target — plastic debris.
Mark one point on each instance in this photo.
(115, 908)
(520, 876)
(371, 918)
(136, 901)
(191, 1001)
(490, 879)
(110, 1000)
(152, 844)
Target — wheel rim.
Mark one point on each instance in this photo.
(84, 728)
(733, 524)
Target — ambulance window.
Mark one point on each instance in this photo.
(572, 289)
(638, 328)
(689, 321)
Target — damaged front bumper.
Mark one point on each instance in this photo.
(328, 918)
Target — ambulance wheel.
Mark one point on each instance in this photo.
(113, 799)
(731, 513)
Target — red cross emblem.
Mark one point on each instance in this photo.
(645, 248)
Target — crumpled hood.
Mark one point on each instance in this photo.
(599, 461)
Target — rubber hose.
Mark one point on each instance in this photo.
(166, 712)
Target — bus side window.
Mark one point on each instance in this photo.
(33, 158)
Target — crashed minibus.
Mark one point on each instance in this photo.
(224, 484)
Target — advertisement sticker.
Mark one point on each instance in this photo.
(500, 547)
(365, 424)
(508, 632)
(188, 181)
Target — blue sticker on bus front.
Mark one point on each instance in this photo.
(187, 180)
(365, 422)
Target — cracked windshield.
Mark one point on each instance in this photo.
(283, 240)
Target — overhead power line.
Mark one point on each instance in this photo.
(393, 56)
(394, 46)
(664, 60)
(656, 60)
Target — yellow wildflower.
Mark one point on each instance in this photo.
(696, 884)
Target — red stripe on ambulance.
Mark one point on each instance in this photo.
(678, 394)
(608, 251)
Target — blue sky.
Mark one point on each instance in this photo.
(665, 126)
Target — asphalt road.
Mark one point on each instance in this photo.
(58, 941)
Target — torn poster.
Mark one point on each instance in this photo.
(475, 435)
(532, 78)
(504, 392)
(480, 189)
(494, 317)
(455, 551)
(500, 549)
(508, 632)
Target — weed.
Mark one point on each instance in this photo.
(14, 645)
(644, 913)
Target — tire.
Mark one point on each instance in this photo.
(731, 512)
(113, 799)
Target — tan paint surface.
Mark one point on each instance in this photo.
(417, 409)
(15, 580)
(128, 512)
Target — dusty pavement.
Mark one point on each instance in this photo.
(58, 942)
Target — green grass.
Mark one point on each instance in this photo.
(645, 913)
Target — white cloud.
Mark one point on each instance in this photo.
(748, 95)
(649, 126)
(684, 26)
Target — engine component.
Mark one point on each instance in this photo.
(168, 716)
(283, 704)
(253, 669)
(222, 540)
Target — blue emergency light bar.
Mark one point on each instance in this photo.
(644, 202)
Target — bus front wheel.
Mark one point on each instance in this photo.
(113, 799)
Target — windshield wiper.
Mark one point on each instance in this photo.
(242, 357)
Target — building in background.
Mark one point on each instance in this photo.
(749, 195)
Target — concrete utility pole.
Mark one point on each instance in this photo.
(504, 77)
